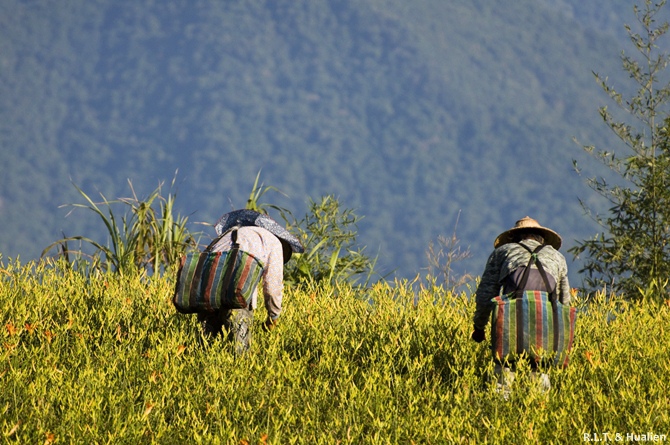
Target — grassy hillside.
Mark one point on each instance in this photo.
(408, 112)
(108, 360)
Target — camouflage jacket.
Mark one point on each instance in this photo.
(505, 260)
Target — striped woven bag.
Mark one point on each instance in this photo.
(532, 323)
(209, 281)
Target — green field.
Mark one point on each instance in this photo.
(106, 359)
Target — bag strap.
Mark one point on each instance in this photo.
(231, 256)
(524, 279)
(218, 238)
(232, 259)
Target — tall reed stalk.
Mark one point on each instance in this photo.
(147, 237)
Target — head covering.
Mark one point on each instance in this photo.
(246, 217)
(529, 224)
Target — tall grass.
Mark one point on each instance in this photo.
(147, 237)
(106, 359)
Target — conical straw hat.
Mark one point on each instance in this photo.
(527, 223)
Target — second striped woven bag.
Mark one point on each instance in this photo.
(532, 323)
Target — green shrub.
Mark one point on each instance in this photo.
(328, 233)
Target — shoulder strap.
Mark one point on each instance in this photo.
(534, 259)
(218, 238)
(232, 259)
(231, 255)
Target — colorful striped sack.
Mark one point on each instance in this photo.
(533, 324)
(209, 281)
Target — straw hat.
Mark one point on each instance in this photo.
(550, 237)
(246, 217)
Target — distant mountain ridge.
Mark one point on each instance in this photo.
(412, 113)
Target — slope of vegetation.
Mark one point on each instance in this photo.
(106, 359)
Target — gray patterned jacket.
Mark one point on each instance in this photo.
(505, 260)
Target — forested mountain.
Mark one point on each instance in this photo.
(409, 112)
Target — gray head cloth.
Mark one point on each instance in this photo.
(246, 217)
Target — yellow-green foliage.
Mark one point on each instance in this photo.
(106, 359)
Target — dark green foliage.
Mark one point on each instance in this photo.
(633, 254)
(406, 111)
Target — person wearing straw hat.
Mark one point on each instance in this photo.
(505, 267)
(272, 245)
